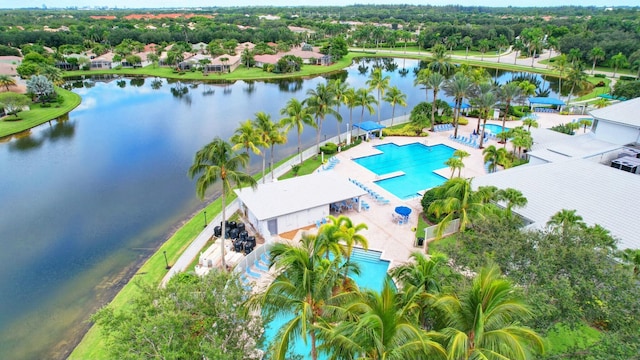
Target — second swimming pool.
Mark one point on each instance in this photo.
(415, 160)
(494, 129)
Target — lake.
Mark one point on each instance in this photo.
(87, 198)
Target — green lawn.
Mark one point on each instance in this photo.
(38, 115)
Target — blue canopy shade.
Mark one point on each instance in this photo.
(546, 101)
(369, 126)
(611, 97)
(463, 106)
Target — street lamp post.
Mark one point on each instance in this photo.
(205, 218)
(165, 260)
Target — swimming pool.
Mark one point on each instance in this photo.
(373, 271)
(415, 160)
(494, 129)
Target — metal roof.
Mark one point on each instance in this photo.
(600, 194)
(369, 126)
(625, 113)
(300, 193)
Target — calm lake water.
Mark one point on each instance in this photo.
(86, 199)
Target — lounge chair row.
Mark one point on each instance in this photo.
(443, 127)
(331, 163)
(465, 141)
(545, 110)
(377, 197)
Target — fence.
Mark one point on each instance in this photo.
(430, 233)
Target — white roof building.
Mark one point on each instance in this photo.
(600, 194)
(281, 206)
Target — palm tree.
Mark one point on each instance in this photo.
(298, 116)
(575, 55)
(303, 288)
(247, 137)
(434, 81)
(632, 258)
(518, 47)
(276, 137)
(484, 101)
(421, 79)
(441, 61)
(395, 96)
(565, 220)
(339, 89)
(552, 44)
(217, 161)
(483, 45)
(457, 200)
(320, 101)
(264, 126)
(378, 326)
(483, 322)
(351, 100)
(467, 42)
(494, 156)
(7, 81)
(601, 103)
(454, 164)
(521, 138)
(561, 65)
(365, 99)
(530, 123)
(619, 60)
(584, 123)
(347, 233)
(576, 79)
(459, 87)
(508, 93)
(596, 54)
(513, 198)
(379, 83)
(501, 42)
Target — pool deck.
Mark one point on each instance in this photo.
(396, 242)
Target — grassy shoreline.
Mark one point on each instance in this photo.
(38, 115)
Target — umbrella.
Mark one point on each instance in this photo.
(403, 210)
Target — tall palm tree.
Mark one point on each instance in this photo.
(347, 233)
(494, 156)
(552, 44)
(351, 101)
(459, 87)
(264, 126)
(484, 99)
(303, 288)
(561, 66)
(365, 99)
(467, 42)
(421, 79)
(457, 200)
(513, 199)
(483, 45)
(577, 79)
(596, 54)
(483, 322)
(422, 273)
(217, 161)
(298, 116)
(395, 96)
(339, 89)
(565, 220)
(320, 102)
(380, 83)
(378, 326)
(441, 61)
(508, 93)
(434, 81)
(619, 60)
(247, 137)
(276, 137)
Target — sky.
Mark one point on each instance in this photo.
(209, 3)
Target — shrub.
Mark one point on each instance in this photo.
(463, 121)
(409, 129)
(627, 78)
(430, 196)
(329, 148)
(600, 75)
(600, 84)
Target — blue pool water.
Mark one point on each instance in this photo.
(373, 271)
(495, 129)
(415, 160)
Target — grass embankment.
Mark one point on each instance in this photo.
(241, 73)
(39, 115)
